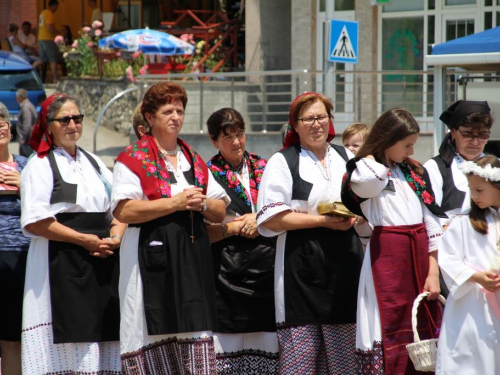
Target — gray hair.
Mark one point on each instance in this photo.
(59, 101)
(22, 94)
(4, 112)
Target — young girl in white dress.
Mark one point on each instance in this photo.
(469, 257)
(390, 190)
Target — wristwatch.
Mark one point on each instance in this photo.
(205, 206)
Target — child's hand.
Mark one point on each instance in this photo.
(487, 279)
(432, 286)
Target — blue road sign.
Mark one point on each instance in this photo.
(344, 36)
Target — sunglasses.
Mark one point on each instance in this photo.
(64, 121)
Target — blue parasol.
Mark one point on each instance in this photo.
(147, 41)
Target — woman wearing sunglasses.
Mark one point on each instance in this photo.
(71, 311)
(469, 123)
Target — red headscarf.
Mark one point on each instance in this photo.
(292, 137)
(41, 140)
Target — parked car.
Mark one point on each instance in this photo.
(16, 73)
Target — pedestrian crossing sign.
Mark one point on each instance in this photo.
(343, 41)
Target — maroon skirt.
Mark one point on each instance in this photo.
(400, 265)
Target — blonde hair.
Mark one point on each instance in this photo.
(357, 128)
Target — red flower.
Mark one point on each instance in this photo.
(163, 174)
(254, 194)
(412, 185)
(151, 168)
(426, 197)
(252, 183)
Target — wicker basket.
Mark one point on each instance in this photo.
(423, 354)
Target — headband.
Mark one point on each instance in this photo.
(41, 140)
(489, 173)
(291, 136)
(452, 116)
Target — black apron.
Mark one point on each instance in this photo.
(84, 289)
(177, 274)
(244, 278)
(321, 266)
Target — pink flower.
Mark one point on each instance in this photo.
(252, 183)
(97, 32)
(130, 74)
(105, 61)
(59, 40)
(215, 168)
(118, 54)
(151, 168)
(136, 54)
(86, 29)
(90, 44)
(163, 174)
(143, 70)
(97, 25)
(143, 143)
(139, 155)
(75, 43)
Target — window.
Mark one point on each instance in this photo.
(459, 2)
(344, 5)
(404, 5)
(403, 49)
(459, 28)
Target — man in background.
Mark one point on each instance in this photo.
(26, 121)
(49, 53)
(27, 37)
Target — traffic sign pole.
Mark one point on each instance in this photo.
(328, 80)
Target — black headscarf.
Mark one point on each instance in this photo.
(452, 116)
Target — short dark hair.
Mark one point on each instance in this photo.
(13, 27)
(225, 121)
(162, 93)
(53, 2)
(26, 23)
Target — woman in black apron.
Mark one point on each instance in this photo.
(71, 308)
(164, 191)
(318, 257)
(243, 260)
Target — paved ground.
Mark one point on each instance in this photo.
(108, 143)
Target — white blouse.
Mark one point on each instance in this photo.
(388, 208)
(37, 186)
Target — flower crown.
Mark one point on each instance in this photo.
(489, 173)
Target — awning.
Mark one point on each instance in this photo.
(476, 51)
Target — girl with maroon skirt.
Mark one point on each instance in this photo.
(390, 190)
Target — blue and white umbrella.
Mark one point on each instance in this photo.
(147, 41)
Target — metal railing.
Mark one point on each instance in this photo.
(264, 98)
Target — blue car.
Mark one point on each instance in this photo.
(16, 73)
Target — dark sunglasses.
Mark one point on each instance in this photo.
(64, 121)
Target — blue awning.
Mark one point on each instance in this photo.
(484, 42)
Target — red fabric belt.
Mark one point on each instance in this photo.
(400, 264)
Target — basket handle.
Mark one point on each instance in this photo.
(414, 311)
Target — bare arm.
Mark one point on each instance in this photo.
(55, 231)
(432, 280)
(289, 220)
(218, 232)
